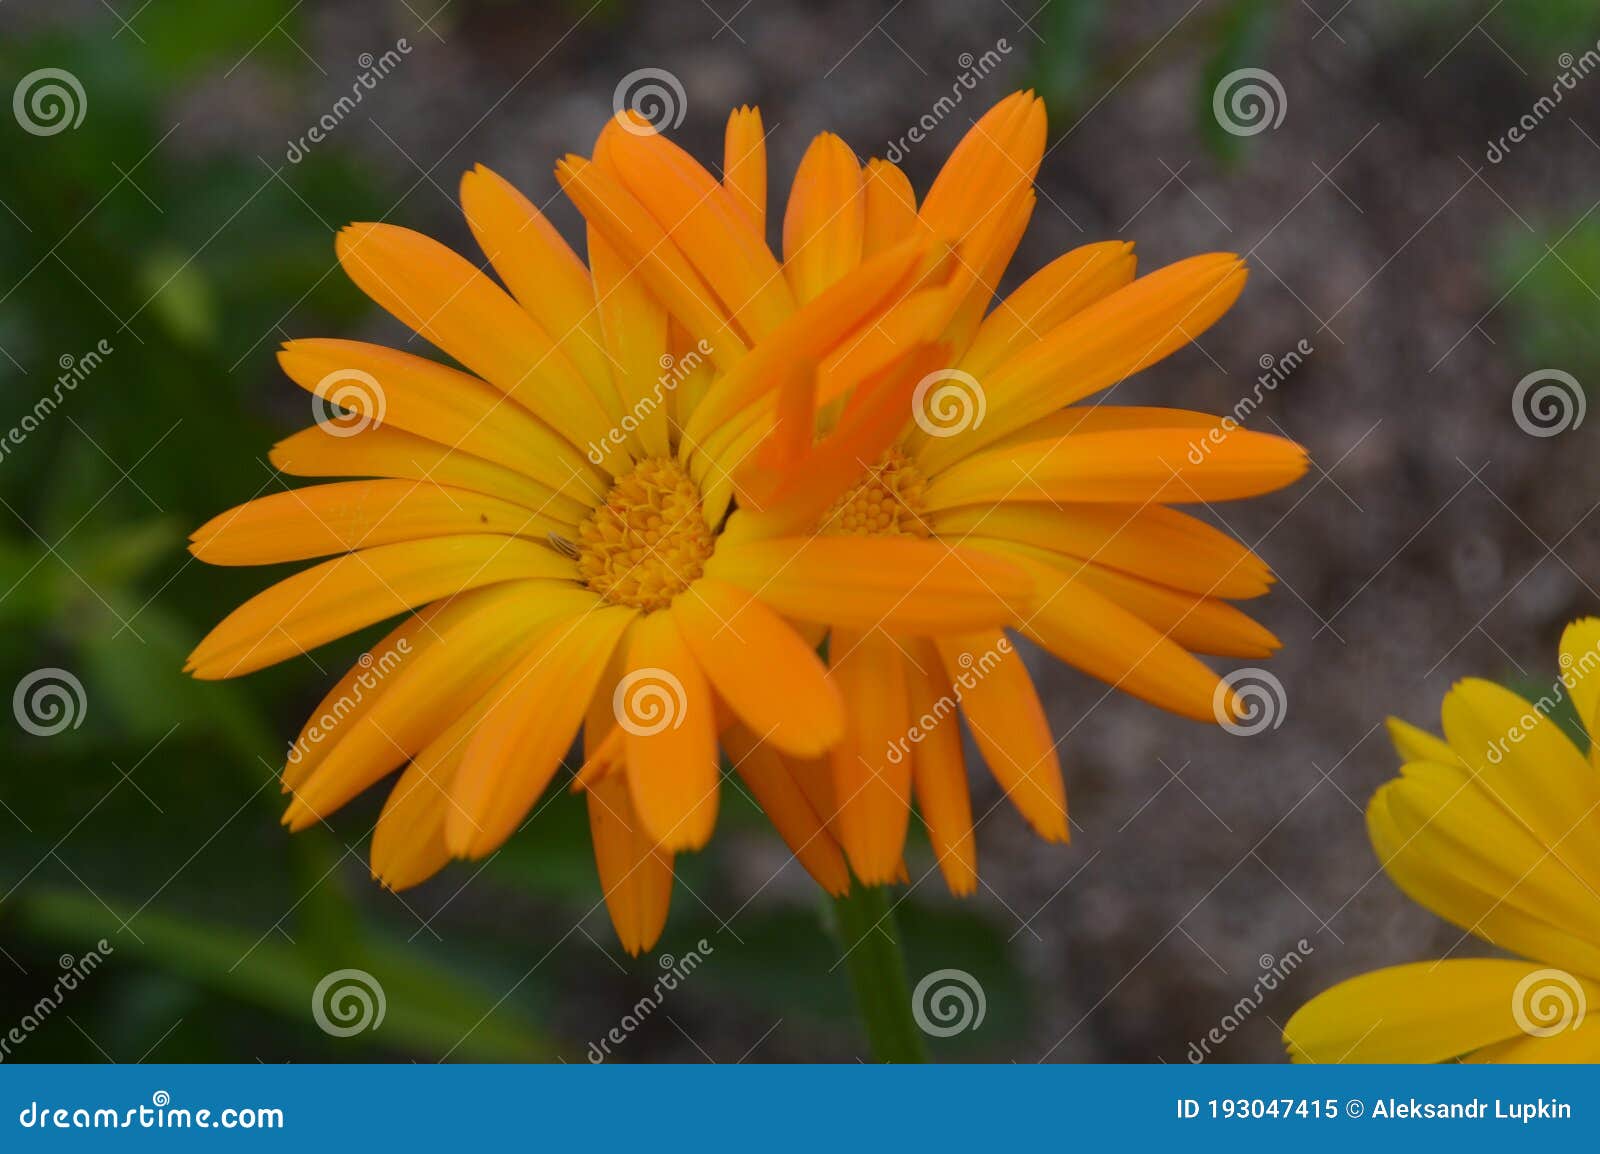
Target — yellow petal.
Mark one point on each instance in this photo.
(1580, 669)
(1422, 1012)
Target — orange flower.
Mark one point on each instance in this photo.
(555, 516)
(987, 455)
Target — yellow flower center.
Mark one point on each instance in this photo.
(649, 541)
(887, 502)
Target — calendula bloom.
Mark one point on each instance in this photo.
(990, 453)
(554, 516)
(1496, 829)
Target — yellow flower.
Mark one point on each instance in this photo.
(980, 453)
(1496, 829)
(554, 513)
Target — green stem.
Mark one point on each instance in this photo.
(866, 928)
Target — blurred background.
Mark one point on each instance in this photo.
(155, 252)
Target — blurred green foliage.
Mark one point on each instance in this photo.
(1550, 278)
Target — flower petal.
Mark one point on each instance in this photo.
(871, 784)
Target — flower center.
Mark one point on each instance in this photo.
(887, 502)
(649, 541)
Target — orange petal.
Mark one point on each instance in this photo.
(386, 452)
(744, 165)
(635, 327)
(938, 769)
(758, 664)
(1149, 541)
(444, 298)
(533, 716)
(359, 589)
(824, 224)
(665, 705)
(336, 518)
(1008, 723)
(472, 641)
(645, 246)
(773, 784)
(1169, 466)
(635, 876)
(1054, 294)
(384, 387)
(541, 270)
(999, 155)
(408, 843)
(871, 770)
(900, 584)
(1115, 337)
(890, 207)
